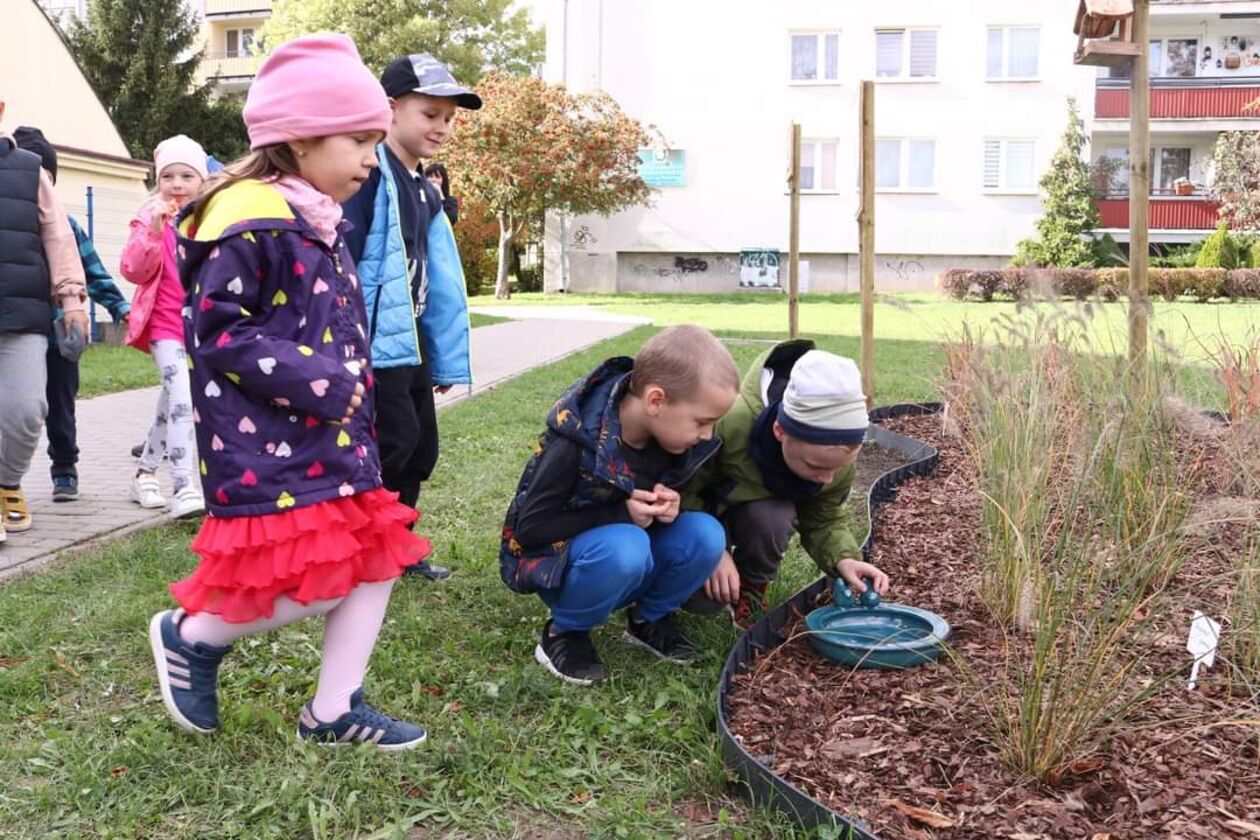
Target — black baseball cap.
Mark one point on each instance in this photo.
(422, 73)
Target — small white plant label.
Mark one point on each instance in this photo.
(1205, 635)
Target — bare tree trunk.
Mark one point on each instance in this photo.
(506, 234)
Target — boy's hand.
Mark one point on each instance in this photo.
(852, 571)
(76, 318)
(723, 585)
(643, 507)
(670, 501)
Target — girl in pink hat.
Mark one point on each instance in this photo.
(299, 523)
(156, 327)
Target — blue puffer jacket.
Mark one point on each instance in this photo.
(392, 303)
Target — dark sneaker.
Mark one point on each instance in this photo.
(751, 606)
(361, 725)
(570, 656)
(428, 571)
(65, 488)
(187, 674)
(662, 638)
(137, 450)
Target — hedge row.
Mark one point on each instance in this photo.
(1109, 283)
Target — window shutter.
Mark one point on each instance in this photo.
(888, 45)
(992, 164)
(1021, 165)
(923, 53)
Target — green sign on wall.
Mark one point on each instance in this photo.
(663, 167)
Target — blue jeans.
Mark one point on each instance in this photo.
(617, 565)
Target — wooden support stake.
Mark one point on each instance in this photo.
(794, 237)
(1139, 191)
(866, 241)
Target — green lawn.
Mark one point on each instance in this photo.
(105, 368)
(911, 317)
(89, 750)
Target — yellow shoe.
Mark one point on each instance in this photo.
(17, 517)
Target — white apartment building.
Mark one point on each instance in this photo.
(971, 101)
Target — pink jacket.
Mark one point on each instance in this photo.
(142, 264)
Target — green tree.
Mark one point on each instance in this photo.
(469, 36)
(535, 147)
(138, 56)
(1220, 250)
(1068, 210)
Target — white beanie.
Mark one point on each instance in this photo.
(180, 149)
(823, 402)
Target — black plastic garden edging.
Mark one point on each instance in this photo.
(756, 773)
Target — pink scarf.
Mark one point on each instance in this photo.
(320, 211)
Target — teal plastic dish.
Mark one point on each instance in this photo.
(888, 636)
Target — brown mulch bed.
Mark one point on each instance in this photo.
(908, 751)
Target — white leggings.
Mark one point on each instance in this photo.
(172, 431)
(351, 625)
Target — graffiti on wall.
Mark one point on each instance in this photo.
(906, 270)
(582, 237)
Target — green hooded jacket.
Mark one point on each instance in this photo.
(731, 478)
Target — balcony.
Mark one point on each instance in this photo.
(238, 8)
(1167, 211)
(1182, 99)
(229, 66)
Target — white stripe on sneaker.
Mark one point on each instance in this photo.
(178, 683)
(380, 733)
(175, 657)
(348, 735)
(179, 671)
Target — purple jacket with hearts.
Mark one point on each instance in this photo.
(275, 330)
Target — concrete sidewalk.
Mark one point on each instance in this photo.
(110, 425)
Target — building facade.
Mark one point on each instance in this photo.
(971, 102)
(230, 30)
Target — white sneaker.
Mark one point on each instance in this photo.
(146, 492)
(188, 503)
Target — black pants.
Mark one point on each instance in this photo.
(63, 387)
(757, 535)
(406, 429)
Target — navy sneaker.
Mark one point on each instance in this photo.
(362, 724)
(427, 570)
(187, 674)
(661, 638)
(65, 488)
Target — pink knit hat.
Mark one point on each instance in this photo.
(314, 86)
(180, 149)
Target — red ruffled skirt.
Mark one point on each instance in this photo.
(309, 554)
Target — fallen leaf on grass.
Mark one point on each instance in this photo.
(63, 664)
(10, 661)
(120, 771)
(932, 819)
(454, 707)
(579, 797)
(435, 690)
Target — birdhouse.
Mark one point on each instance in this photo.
(1105, 28)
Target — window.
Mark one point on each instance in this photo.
(1010, 165)
(815, 56)
(905, 164)
(240, 42)
(1168, 165)
(905, 53)
(1013, 52)
(818, 165)
(1170, 57)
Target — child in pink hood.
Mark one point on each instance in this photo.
(157, 327)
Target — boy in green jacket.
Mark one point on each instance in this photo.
(786, 465)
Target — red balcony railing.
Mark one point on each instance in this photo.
(1180, 99)
(1179, 213)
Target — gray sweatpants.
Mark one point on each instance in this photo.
(23, 405)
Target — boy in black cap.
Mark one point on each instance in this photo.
(63, 365)
(413, 282)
